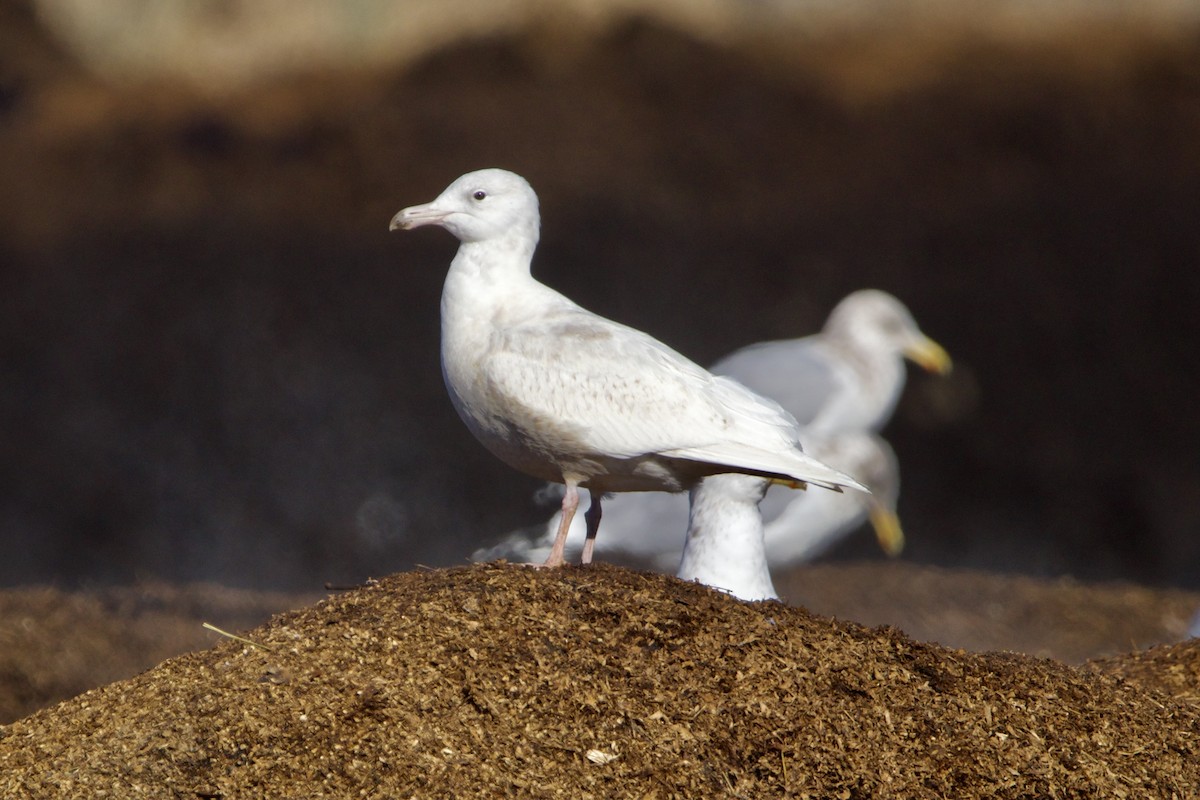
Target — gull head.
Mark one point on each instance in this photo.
(481, 205)
(877, 320)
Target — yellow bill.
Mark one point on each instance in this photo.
(887, 529)
(929, 355)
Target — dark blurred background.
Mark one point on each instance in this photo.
(216, 363)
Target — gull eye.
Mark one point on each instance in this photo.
(479, 194)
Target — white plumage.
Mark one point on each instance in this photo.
(568, 396)
(847, 377)
(724, 544)
(841, 384)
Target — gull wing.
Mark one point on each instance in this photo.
(796, 373)
(612, 391)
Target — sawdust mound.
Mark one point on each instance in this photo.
(597, 682)
(1059, 618)
(56, 644)
(1173, 669)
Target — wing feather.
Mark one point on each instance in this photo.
(621, 393)
(797, 373)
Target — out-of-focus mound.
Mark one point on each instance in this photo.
(1059, 618)
(1170, 668)
(55, 644)
(220, 47)
(595, 682)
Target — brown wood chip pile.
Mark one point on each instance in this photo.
(1173, 669)
(505, 681)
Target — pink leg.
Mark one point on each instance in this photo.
(569, 504)
(592, 517)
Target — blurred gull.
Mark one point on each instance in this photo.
(567, 396)
(724, 543)
(796, 532)
(848, 376)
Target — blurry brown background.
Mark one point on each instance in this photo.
(218, 365)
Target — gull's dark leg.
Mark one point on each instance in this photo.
(592, 517)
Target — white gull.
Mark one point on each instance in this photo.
(841, 384)
(562, 394)
(728, 547)
(848, 376)
(797, 532)
(724, 544)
